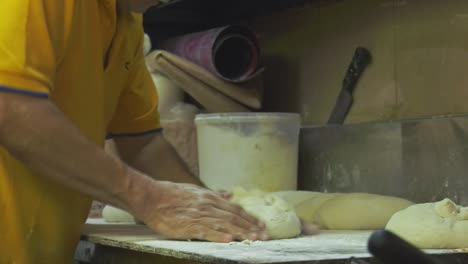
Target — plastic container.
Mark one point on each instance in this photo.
(250, 150)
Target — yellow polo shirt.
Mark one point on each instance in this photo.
(89, 61)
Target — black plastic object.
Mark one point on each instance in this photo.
(361, 59)
(357, 261)
(391, 249)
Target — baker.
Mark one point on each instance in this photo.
(71, 74)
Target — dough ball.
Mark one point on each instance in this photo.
(239, 193)
(293, 198)
(358, 211)
(432, 225)
(96, 210)
(280, 219)
(307, 209)
(146, 45)
(116, 215)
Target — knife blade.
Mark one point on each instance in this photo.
(361, 59)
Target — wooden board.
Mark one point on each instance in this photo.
(329, 245)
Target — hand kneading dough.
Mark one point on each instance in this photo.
(358, 211)
(432, 225)
(116, 215)
(280, 219)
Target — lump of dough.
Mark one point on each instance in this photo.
(239, 193)
(280, 219)
(294, 198)
(447, 209)
(358, 211)
(116, 215)
(146, 45)
(432, 225)
(307, 209)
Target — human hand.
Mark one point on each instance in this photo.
(306, 228)
(185, 211)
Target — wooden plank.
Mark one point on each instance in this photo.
(130, 236)
(327, 246)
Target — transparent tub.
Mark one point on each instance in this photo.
(250, 150)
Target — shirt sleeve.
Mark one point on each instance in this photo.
(137, 109)
(31, 40)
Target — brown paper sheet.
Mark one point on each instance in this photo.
(215, 94)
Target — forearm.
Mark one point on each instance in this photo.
(36, 133)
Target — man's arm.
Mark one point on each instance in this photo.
(154, 156)
(35, 132)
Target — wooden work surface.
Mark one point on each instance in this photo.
(329, 245)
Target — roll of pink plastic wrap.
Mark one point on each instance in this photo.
(231, 52)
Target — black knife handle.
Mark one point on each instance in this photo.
(361, 59)
(391, 249)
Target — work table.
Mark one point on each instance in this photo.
(125, 243)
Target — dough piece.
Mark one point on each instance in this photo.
(96, 210)
(294, 198)
(307, 209)
(280, 219)
(239, 193)
(358, 211)
(432, 225)
(116, 215)
(146, 45)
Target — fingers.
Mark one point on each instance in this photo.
(237, 233)
(237, 226)
(208, 234)
(202, 232)
(190, 212)
(217, 230)
(236, 210)
(194, 229)
(234, 219)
